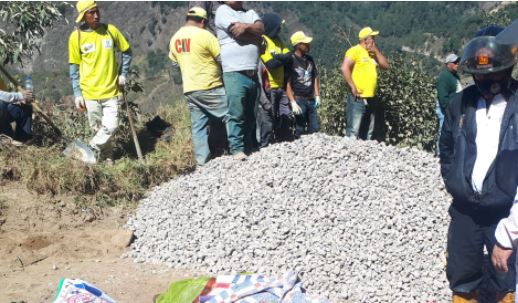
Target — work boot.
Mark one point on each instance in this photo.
(505, 297)
(471, 297)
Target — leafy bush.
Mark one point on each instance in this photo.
(333, 91)
(26, 22)
(408, 97)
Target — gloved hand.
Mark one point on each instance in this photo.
(122, 80)
(80, 103)
(295, 108)
(317, 101)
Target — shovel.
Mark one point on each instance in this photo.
(76, 149)
(132, 127)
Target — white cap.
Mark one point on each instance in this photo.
(451, 58)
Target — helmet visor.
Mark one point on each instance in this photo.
(482, 55)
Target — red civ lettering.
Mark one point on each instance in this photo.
(183, 45)
(178, 45)
(187, 45)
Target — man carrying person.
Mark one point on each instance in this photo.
(276, 123)
(359, 70)
(304, 86)
(478, 130)
(240, 34)
(195, 53)
(16, 107)
(448, 83)
(94, 72)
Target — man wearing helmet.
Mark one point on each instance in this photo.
(480, 125)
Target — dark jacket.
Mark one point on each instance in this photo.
(446, 87)
(458, 152)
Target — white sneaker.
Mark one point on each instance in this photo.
(4, 139)
(240, 156)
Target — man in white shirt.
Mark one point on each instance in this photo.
(479, 127)
(239, 33)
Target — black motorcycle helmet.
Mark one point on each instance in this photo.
(489, 62)
(482, 55)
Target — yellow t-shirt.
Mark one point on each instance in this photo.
(98, 69)
(274, 47)
(364, 74)
(195, 50)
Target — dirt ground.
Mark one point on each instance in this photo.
(44, 239)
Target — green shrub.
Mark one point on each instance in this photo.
(333, 91)
(29, 20)
(408, 97)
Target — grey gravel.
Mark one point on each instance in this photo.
(361, 221)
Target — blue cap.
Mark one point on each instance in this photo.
(491, 30)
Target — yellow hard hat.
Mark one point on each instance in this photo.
(82, 7)
(300, 37)
(366, 32)
(197, 11)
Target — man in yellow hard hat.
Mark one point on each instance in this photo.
(94, 72)
(303, 85)
(195, 54)
(359, 69)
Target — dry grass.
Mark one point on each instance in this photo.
(45, 170)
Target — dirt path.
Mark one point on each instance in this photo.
(43, 239)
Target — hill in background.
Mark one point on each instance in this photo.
(427, 30)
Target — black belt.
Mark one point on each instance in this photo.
(251, 73)
(305, 97)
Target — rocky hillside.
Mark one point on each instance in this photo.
(415, 28)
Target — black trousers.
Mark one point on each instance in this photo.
(468, 233)
(277, 123)
(22, 115)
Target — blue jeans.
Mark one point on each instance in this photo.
(243, 93)
(440, 118)
(22, 115)
(307, 121)
(361, 112)
(203, 105)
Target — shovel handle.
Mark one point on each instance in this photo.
(132, 127)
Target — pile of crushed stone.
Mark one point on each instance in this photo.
(359, 220)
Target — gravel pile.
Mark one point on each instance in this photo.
(360, 221)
